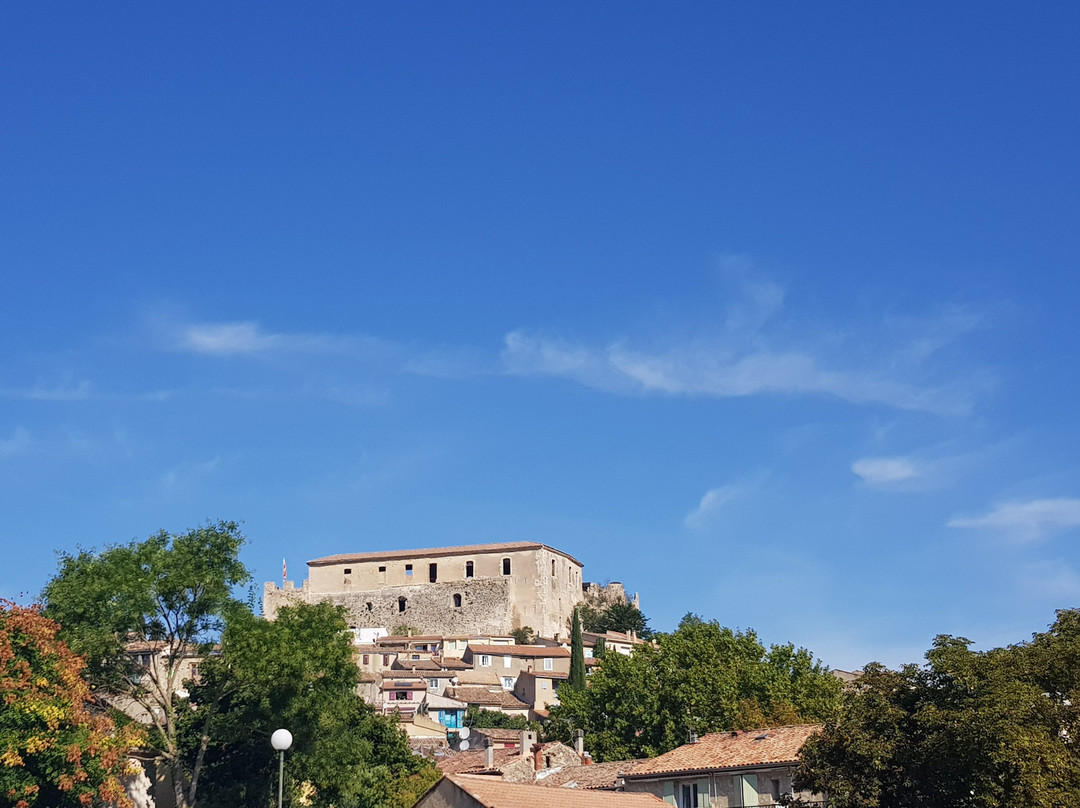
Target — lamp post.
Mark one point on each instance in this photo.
(281, 740)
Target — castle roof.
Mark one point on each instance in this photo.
(468, 549)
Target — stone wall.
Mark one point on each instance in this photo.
(485, 606)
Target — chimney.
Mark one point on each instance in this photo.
(586, 759)
(579, 742)
(538, 757)
(489, 756)
(527, 741)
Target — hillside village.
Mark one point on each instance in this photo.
(460, 608)
(436, 634)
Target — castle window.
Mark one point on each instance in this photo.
(408, 569)
(506, 566)
(468, 569)
(553, 568)
(433, 572)
(348, 570)
(457, 601)
(368, 606)
(382, 569)
(401, 604)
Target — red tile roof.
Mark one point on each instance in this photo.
(493, 792)
(530, 651)
(486, 697)
(595, 775)
(468, 549)
(730, 750)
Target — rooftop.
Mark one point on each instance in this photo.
(531, 651)
(468, 549)
(730, 750)
(492, 792)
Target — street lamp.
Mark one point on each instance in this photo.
(281, 740)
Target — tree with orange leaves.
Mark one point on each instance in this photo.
(54, 750)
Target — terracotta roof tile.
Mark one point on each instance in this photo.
(484, 696)
(728, 750)
(596, 775)
(476, 761)
(530, 651)
(493, 792)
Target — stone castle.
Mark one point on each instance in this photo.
(475, 589)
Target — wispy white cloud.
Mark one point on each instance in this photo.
(756, 352)
(1026, 521)
(713, 500)
(883, 471)
(80, 391)
(232, 339)
(19, 443)
(1054, 582)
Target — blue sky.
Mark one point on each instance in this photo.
(766, 310)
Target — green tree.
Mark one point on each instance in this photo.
(493, 719)
(171, 594)
(524, 635)
(620, 617)
(978, 729)
(298, 672)
(700, 678)
(577, 655)
(54, 750)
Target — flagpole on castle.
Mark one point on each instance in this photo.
(284, 573)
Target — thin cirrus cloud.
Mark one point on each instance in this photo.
(1026, 521)
(248, 338)
(886, 471)
(713, 500)
(719, 370)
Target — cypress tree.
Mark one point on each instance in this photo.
(577, 655)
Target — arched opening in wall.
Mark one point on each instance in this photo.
(368, 606)
(401, 604)
(468, 569)
(457, 601)
(506, 566)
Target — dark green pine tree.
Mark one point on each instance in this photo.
(577, 655)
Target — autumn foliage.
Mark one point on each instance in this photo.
(54, 750)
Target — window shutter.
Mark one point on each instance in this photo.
(669, 792)
(703, 793)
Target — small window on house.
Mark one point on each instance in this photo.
(401, 604)
(688, 796)
(433, 572)
(408, 569)
(549, 664)
(774, 789)
(485, 661)
(457, 601)
(415, 656)
(348, 570)
(506, 661)
(433, 684)
(367, 658)
(468, 569)
(543, 684)
(506, 566)
(547, 761)
(508, 682)
(386, 660)
(195, 672)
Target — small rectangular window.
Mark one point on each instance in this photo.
(348, 570)
(468, 569)
(367, 658)
(382, 569)
(408, 569)
(386, 660)
(485, 661)
(549, 664)
(506, 566)
(506, 662)
(433, 572)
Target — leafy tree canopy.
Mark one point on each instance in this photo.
(621, 617)
(297, 672)
(493, 719)
(54, 751)
(171, 593)
(700, 678)
(967, 729)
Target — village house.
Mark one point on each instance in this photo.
(508, 661)
(738, 769)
